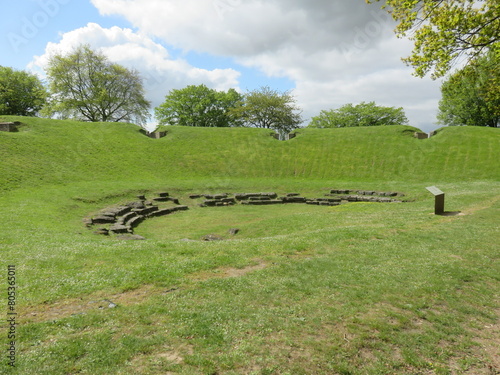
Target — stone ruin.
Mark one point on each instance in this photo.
(422, 135)
(123, 219)
(9, 126)
(334, 198)
(154, 134)
(285, 137)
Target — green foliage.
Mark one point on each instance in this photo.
(269, 109)
(21, 93)
(444, 30)
(198, 106)
(86, 86)
(363, 114)
(471, 96)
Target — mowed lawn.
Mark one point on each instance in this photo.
(360, 288)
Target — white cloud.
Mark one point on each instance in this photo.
(336, 51)
(161, 73)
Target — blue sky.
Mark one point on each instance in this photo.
(329, 52)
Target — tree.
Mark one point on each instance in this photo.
(445, 30)
(363, 114)
(198, 106)
(471, 96)
(21, 93)
(270, 109)
(86, 86)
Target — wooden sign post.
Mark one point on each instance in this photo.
(438, 201)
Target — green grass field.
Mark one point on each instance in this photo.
(360, 288)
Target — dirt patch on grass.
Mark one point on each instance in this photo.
(223, 273)
(98, 301)
(489, 340)
(156, 362)
(101, 301)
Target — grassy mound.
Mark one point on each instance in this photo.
(60, 152)
(361, 288)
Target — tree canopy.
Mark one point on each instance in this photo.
(445, 30)
(86, 86)
(198, 106)
(21, 93)
(471, 96)
(271, 109)
(363, 114)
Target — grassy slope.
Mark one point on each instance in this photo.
(356, 289)
(48, 152)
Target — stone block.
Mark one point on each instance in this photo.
(136, 205)
(146, 211)
(103, 219)
(212, 237)
(162, 212)
(181, 208)
(118, 228)
(135, 221)
(420, 135)
(8, 127)
(293, 200)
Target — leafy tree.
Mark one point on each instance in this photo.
(198, 106)
(21, 93)
(444, 30)
(271, 109)
(471, 96)
(86, 86)
(363, 114)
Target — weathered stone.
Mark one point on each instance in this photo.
(141, 197)
(8, 127)
(87, 222)
(340, 191)
(161, 199)
(215, 196)
(126, 217)
(181, 208)
(135, 221)
(195, 196)
(294, 200)
(136, 205)
(146, 211)
(420, 135)
(118, 228)
(234, 231)
(164, 194)
(103, 219)
(293, 194)
(102, 231)
(212, 237)
(251, 195)
(162, 212)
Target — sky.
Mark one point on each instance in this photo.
(327, 52)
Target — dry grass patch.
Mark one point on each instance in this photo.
(98, 301)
